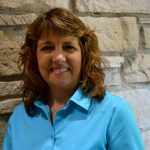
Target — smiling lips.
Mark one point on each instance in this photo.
(59, 70)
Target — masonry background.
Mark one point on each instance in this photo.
(123, 30)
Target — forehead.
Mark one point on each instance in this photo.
(50, 34)
(54, 36)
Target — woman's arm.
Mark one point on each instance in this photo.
(123, 132)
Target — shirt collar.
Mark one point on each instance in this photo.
(81, 98)
(44, 107)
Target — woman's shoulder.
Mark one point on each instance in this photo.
(19, 108)
(112, 101)
(18, 112)
(114, 106)
(115, 99)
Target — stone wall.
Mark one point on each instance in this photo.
(123, 30)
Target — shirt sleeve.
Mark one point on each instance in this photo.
(123, 132)
(7, 142)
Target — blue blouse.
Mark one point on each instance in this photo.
(83, 124)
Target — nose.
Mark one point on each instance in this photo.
(58, 56)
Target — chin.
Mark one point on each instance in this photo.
(59, 85)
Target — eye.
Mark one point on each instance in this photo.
(47, 48)
(69, 48)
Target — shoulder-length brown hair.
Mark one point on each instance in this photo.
(61, 20)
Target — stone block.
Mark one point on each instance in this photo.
(113, 61)
(10, 88)
(7, 106)
(32, 5)
(113, 6)
(8, 58)
(112, 76)
(147, 37)
(3, 37)
(13, 20)
(9, 50)
(136, 68)
(144, 20)
(115, 34)
(10, 43)
(9, 67)
(13, 34)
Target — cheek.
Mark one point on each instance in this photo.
(41, 63)
(77, 62)
(79, 58)
(42, 59)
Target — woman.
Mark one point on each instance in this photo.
(66, 106)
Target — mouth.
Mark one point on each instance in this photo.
(59, 70)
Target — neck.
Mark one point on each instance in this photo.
(60, 96)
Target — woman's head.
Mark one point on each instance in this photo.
(59, 61)
(61, 21)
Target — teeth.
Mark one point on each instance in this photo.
(60, 70)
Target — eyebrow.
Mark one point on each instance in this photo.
(49, 42)
(68, 42)
(43, 43)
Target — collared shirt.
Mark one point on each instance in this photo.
(85, 123)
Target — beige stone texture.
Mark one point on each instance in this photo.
(113, 61)
(10, 88)
(144, 20)
(13, 34)
(147, 37)
(115, 34)
(9, 52)
(33, 5)
(8, 58)
(137, 68)
(8, 105)
(113, 6)
(112, 76)
(9, 67)
(13, 20)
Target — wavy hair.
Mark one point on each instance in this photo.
(61, 20)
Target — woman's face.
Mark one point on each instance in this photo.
(59, 60)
